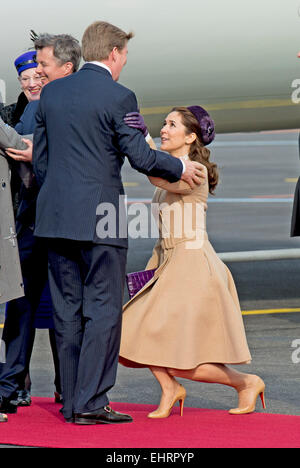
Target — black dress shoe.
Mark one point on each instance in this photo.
(6, 406)
(70, 420)
(104, 415)
(23, 398)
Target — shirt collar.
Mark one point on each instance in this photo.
(100, 64)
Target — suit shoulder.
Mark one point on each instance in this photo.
(52, 86)
(121, 90)
(123, 94)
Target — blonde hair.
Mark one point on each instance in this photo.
(100, 38)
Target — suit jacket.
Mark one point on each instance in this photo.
(80, 143)
(26, 124)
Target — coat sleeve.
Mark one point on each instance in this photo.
(40, 147)
(132, 143)
(180, 187)
(9, 138)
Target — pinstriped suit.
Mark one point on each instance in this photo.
(79, 147)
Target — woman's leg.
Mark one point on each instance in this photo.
(248, 386)
(172, 392)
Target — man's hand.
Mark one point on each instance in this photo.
(21, 155)
(194, 174)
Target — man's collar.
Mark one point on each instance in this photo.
(100, 64)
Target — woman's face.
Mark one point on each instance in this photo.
(31, 84)
(173, 136)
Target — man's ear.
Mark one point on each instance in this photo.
(114, 53)
(68, 68)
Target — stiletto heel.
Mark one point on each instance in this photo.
(180, 396)
(181, 403)
(263, 401)
(256, 390)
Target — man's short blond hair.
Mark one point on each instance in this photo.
(100, 38)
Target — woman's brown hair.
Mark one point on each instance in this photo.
(199, 152)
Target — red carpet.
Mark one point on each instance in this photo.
(42, 425)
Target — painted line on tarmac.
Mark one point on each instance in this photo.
(270, 311)
(250, 200)
(248, 144)
(291, 180)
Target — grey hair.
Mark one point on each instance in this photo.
(65, 48)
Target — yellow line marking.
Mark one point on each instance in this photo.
(270, 311)
(291, 180)
(260, 103)
(1, 325)
(131, 184)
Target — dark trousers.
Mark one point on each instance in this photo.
(87, 285)
(18, 327)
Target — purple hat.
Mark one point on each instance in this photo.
(206, 124)
(25, 61)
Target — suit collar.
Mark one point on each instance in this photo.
(97, 68)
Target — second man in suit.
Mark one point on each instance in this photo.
(79, 147)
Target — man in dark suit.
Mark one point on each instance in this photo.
(61, 55)
(79, 147)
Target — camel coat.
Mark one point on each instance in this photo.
(189, 313)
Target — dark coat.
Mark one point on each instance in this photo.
(295, 224)
(80, 143)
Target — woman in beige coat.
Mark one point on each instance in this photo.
(186, 322)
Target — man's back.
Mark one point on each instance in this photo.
(81, 119)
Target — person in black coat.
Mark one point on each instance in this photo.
(295, 224)
(63, 57)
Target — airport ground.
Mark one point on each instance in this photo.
(251, 211)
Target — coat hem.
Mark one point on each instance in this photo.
(135, 364)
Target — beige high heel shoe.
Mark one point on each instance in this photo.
(180, 396)
(255, 390)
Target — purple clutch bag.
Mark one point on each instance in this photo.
(137, 280)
